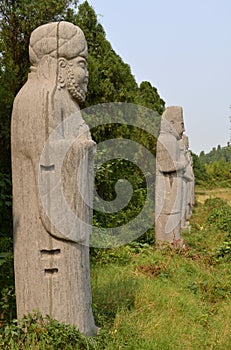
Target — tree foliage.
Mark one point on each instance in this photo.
(217, 165)
(216, 154)
(18, 19)
(147, 96)
(110, 78)
(219, 170)
(199, 170)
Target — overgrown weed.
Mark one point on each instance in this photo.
(149, 298)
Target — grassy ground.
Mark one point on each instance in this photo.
(203, 194)
(171, 299)
(149, 299)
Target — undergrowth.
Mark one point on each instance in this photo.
(148, 298)
(37, 332)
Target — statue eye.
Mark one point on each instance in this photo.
(82, 64)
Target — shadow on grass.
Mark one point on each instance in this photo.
(109, 298)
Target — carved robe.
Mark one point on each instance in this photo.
(51, 268)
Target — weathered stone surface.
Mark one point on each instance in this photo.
(51, 266)
(170, 167)
(190, 195)
(188, 179)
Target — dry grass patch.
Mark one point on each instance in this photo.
(203, 194)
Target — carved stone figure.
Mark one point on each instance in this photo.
(50, 251)
(170, 167)
(188, 178)
(190, 195)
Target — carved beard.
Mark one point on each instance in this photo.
(74, 88)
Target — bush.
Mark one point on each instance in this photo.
(36, 332)
(223, 253)
(220, 217)
(219, 214)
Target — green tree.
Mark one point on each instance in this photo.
(18, 19)
(147, 96)
(201, 176)
(110, 79)
(216, 154)
(219, 171)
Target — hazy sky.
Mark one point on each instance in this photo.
(184, 49)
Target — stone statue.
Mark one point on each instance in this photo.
(190, 195)
(52, 264)
(188, 178)
(170, 167)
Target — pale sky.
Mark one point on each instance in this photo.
(183, 48)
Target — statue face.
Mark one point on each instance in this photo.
(178, 127)
(77, 78)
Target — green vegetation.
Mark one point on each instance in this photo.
(214, 167)
(216, 154)
(145, 298)
(36, 332)
(201, 176)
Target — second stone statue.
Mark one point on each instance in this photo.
(170, 169)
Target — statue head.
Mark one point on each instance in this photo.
(172, 121)
(58, 53)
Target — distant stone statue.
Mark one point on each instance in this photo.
(190, 195)
(50, 252)
(170, 167)
(188, 179)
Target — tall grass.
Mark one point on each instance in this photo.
(147, 299)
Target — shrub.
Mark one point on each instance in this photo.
(219, 214)
(36, 332)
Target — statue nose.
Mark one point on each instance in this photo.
(86, 79)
